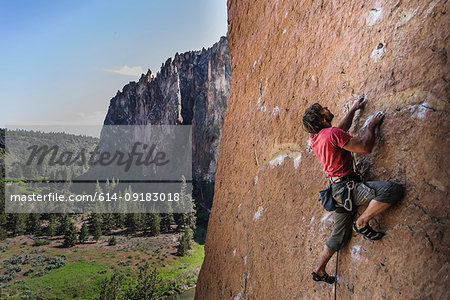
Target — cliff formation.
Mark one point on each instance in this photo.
(266, 229)
(190, 89)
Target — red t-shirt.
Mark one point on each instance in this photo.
(327, 145)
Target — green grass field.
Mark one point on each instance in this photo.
(79, 280)
(85, 270)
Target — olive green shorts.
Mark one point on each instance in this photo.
(363, 193)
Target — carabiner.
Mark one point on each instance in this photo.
(352, 184)
(348, 205)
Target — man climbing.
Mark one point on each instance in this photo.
(332, 145)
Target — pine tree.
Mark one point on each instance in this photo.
(16, 223)
(111, 288)
(99, 205)
(107, 222)
(185, 242)
(3, 223)
(113, 184)
(147, 286)
(120, 216)
(3, 215)
(51, 228)
(94, 221)
(70, 237)
(98, 188)
(179, 220)
(64, 224)
(166, 221)
(107, 186)
(190, 237)
(33, 223)
(84, 233)
(186, 217)
(132, 222)
(119, 220)
(97, 232)
(154, 223)
(190, 220)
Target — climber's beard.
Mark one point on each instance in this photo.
(329, 117)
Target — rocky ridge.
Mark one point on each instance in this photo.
(190, 89)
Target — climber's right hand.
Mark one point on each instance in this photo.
(359, 104)
(376, 120)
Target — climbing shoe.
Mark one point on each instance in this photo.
(368, 232)
(325, 277)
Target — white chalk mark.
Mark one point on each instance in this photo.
(378, 52)
(276, 111)
(419, 111)
(366, 123)
(431, 7)
(373, 16)
(405, 17)
(355, 252)
(326, 218)
(258, 213)
(234, 252)
(277, 160)
(297, 161)
(257, 62)
(309, 147)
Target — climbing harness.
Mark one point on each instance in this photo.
(327, 200)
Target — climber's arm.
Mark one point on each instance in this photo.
(346, 122)
(359, 146)
(365, 144)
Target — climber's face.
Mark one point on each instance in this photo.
(327, 116)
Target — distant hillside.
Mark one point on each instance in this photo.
(23, 139)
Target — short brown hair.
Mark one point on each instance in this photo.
(312, 119)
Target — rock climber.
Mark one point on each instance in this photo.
(332, 146)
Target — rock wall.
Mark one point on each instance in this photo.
(190, 89)
(266, 229)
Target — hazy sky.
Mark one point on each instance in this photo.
(62, 61)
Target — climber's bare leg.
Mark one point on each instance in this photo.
(375, 207)
(327, 253)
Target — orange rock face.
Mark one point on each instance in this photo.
(266, 229)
